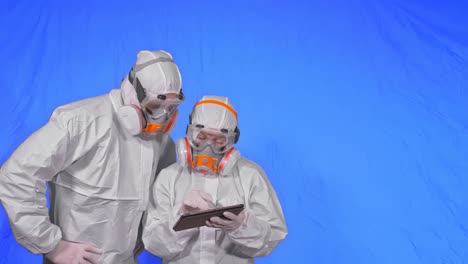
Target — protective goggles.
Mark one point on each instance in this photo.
(161, 105)
(220, 140)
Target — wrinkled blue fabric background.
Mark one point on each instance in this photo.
(357, 110)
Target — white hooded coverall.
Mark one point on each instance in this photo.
(99, 179)
(263, 229)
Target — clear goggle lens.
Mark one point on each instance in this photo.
(160, 106)
(220, 141)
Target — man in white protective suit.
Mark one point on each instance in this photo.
(100, 156)
(211, 173)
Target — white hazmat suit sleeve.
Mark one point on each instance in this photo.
(24, 175)
(158, 236)
(264, 226)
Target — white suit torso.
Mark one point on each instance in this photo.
(99, 174)
(247, 184)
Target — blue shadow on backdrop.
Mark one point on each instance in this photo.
(357, 110)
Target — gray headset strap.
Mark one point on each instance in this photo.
(140, 67)
(141, 94)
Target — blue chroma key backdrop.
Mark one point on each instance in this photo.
(357, 110)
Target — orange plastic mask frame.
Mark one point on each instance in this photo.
(206, 161)
(159, 128)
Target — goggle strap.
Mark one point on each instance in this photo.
(228, 107)
(141, 94)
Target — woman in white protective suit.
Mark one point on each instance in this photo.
(211, 173)
(100, 156)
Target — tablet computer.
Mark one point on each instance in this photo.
(187, 221)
